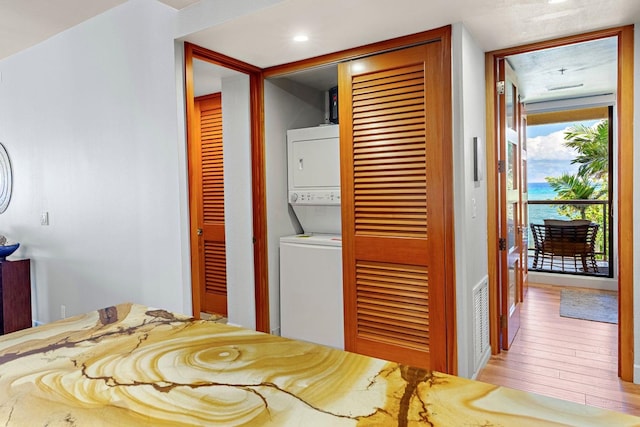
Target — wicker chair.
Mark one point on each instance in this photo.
(559, 244)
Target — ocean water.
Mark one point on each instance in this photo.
(540, 191)
(538, 213)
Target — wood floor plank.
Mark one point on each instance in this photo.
(613, 405)
(533, 387)
(574, 388)
(569, 367)
(527, 367)
(573, 342)
(586, 344)
(540, 325)
(570, 359)
(606, 383)
(553, 354)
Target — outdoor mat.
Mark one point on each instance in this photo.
(599, 306)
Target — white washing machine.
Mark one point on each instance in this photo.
(311, 301)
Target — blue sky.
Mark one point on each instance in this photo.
(546, 153)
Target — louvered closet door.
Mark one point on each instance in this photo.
(393, 209)
(213, 265)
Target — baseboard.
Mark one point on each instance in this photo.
(636, 374)
(483, 362)
(590, 282)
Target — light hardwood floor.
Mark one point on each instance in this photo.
(565, 358)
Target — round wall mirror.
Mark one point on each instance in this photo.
(6, 178)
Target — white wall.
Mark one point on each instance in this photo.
(237, 201)
(93, 119)
(470, 223)
(287, 106)
(89, 120)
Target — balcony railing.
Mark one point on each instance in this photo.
(539, 210)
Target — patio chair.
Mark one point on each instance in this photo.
(558, 242)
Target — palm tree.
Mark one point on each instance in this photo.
(592, 145)
(575, 187)
(591, 180)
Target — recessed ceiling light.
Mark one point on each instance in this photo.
(556, 1)
(301, 38)
(357, 67)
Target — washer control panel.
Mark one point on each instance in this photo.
(314, 197)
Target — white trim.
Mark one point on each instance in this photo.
(483, 362)
(571, 103)
(589, 282)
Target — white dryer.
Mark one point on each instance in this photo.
(313, 177)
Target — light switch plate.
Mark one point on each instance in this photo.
(44, 218)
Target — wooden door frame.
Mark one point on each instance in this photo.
(257, 77)
(444, 35)
(503, 142)
(256, 93)
(624, 104)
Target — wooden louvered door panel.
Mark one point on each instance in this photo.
(213, 263)
(393, 205)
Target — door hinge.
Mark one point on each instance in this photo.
(502, 244)
(500, 87)
(501, 166)
(503, 321)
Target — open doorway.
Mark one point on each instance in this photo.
(567, 95)
(213, 134)
(244, 263)
(622, 117)
(569, 180)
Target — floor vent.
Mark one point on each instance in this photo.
(480, 320)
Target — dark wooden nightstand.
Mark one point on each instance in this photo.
(15, 294)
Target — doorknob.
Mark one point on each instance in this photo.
(199, 231)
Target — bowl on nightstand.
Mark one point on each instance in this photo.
(7, 250)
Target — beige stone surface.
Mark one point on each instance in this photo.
(131, 365)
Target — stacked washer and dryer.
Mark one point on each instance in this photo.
(311, 300)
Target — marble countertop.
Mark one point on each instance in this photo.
(132, 365)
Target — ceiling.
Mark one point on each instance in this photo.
(264, 38)
(574, 71)
(25, 23)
